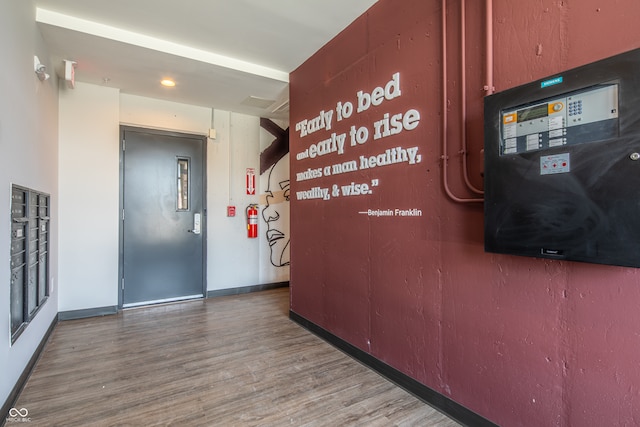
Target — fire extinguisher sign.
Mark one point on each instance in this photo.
(251, 181)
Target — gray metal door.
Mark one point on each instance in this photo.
(163, 221)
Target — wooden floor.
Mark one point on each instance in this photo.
(230, 361)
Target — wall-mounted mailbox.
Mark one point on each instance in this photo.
(562, 165)
(30, 211)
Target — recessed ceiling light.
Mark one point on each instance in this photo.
(168, 83)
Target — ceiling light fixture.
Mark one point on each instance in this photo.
(168, 83)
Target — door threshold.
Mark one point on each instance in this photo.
(162, 301)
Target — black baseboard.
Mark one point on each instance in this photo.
(246, 289)
(421, 391)
(87, 312)
(15, 392)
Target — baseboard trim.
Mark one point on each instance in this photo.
(88, 312)
(421, 391)
(246, 289)
(26, 373)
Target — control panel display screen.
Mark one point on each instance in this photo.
(533, 113)
(582, 116)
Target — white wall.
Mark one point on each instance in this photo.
(89, 197)
(157, 114)
(232, 258)
(28, 153)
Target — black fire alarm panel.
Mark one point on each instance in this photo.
(562, 165)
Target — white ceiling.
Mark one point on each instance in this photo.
(225, 54)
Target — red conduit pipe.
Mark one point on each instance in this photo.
(463, 97)
(489, 89)
(445, 157)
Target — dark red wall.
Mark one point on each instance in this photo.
(520, 341)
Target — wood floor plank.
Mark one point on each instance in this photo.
(229, 361)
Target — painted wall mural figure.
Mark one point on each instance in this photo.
(274, 161)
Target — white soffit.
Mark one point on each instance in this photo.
(112, 33)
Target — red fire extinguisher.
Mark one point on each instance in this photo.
(252, 221)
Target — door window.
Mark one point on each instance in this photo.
(183, 184)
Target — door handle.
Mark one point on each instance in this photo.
(196, 224)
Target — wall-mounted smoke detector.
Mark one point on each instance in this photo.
(70, 73)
